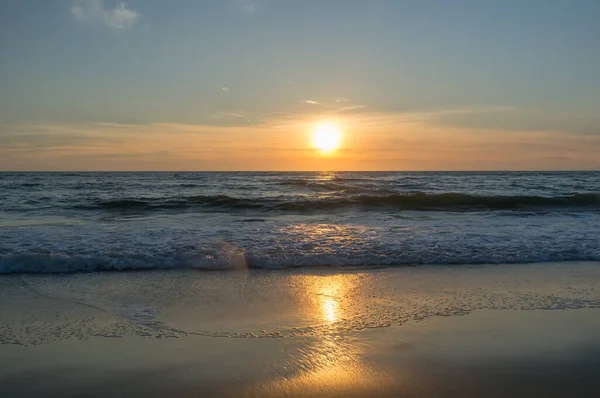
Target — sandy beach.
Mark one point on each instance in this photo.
(498, 330)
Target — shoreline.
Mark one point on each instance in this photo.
(296, 269)
(377, 332)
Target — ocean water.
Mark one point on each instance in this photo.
(81, 222)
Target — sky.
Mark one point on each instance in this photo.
(240, 84)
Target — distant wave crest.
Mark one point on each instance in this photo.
(412, 201)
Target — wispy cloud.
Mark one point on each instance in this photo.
(226, 89)
(94, 11)
(341, 99)
(311, 102)
(154, 146)
(350, 108)
(367, 119)
(532, 119)
(247, 6)
(227, 115)
(121, 18)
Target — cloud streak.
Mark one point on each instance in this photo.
(248, 6)
(94, 11)
(350, 108)
(373, 118)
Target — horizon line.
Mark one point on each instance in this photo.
(310, 171)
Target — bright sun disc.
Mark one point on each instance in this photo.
(326, 137)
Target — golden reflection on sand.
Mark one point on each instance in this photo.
(340, 381)
(330, 307)
(331, 293)
(331, 363)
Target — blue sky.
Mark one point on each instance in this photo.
(74, 72)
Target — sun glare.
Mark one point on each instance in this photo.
(326, 137)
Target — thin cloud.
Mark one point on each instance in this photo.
(351, 108)
(121, 18)
(226, 89)
(341, 99)
(248, 6)
(94, 11)
(311, 102)
(373, 118)
(227, 115)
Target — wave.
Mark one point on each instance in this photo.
(410, 201)
(326, 186)
(192, 185)
(36, 263)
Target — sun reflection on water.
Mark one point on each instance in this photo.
(329, 297)
(330, 307)
(329, 294)
(325, 176)
(330, 362)
(327, 239)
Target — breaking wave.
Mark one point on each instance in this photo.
(411, 201)
(100, 262)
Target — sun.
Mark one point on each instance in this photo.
(326, 137)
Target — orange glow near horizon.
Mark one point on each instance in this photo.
(370, 141)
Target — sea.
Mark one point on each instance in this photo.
(113, 221)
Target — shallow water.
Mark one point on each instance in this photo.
(39, 308)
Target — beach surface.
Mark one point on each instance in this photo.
(497, 330)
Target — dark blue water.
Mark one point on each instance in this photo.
(71, 222)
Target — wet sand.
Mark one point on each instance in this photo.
(502, 330)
